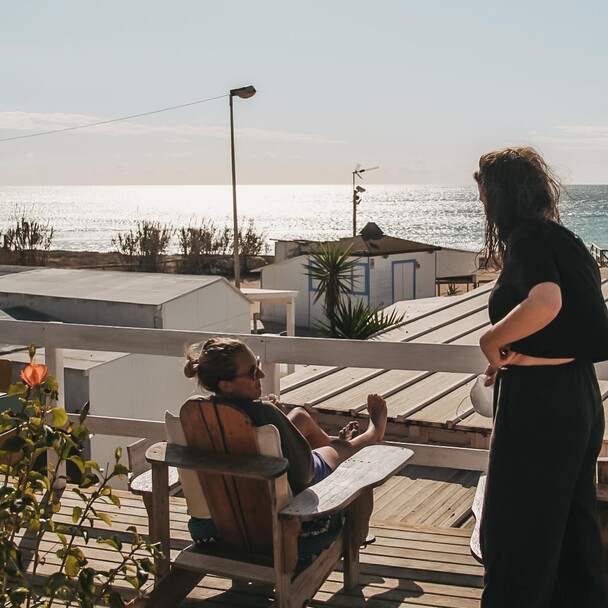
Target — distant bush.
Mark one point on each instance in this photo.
(252, 242)
(27, 243)
(198, 244)
(144, 248)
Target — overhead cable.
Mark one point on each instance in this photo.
(107, 122)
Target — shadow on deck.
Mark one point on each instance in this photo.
(410, 564)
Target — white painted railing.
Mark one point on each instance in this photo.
(273, 350)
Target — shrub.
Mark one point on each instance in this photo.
(143, 249)
(196, 242)
(333, 270)
(27, 243)
(30, 503)
(359, 321)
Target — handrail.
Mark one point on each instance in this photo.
(600, 255)
(449, 457)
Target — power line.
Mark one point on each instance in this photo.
(107, 122)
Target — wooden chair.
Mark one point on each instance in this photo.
(140, 481)
(257, 524)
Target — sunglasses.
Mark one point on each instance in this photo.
(252, 373)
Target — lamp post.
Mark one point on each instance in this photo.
(243, 93)
(356, 191)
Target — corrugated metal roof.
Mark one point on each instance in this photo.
(438, 400)
(104, 285)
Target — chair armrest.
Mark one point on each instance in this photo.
(368, 468)
(142, 483)
(254, 467)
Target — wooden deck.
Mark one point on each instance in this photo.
(419, 557)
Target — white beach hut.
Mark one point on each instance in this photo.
(117, 384)
(389, 269)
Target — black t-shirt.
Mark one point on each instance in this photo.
(548, 252)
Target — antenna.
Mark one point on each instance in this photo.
(357, 190)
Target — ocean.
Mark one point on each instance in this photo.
(87, 217)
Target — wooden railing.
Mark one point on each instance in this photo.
(273, 350)
(600, 255)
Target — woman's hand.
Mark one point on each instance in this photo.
(490, 373)
(497, 354)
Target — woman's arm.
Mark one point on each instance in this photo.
(538, 310)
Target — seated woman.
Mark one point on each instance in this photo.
(229, 368)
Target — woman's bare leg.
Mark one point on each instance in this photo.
(314, 434)
(339, 450)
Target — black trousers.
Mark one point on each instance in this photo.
(540, 537)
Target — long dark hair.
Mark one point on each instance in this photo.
(519, 188)
(213, 361)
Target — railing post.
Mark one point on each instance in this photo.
(54, 361)
(271, 382)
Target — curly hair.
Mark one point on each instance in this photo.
(519, 189)
(213, 361)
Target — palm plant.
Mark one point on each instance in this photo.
(333, 269)
(359, 321)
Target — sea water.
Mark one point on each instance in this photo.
(88, 217)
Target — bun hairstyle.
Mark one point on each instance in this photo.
(519, 189)
(213, 361)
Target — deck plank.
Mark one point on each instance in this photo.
(408, 565)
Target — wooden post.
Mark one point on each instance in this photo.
(271, 383)
(159, 519)
(53, 358)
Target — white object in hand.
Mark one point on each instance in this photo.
(482, 397)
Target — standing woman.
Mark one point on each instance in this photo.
(540, 537)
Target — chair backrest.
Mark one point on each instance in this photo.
(241, 508)
(136, 453)
(6, 372)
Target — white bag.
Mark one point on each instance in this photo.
(482, 397)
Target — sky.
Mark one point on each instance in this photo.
(420, 88)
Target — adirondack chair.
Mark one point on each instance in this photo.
(256, 521)
(140, 479)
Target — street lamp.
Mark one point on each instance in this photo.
(356, 191)
(243, 93)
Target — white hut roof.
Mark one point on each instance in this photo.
(105, 285)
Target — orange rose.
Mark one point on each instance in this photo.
(34, 375)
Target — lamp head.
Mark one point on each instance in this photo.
(360, 189)
(243, 92)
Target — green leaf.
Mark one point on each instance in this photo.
(113, 542)
(84, 412)
(17, 389)
(72, 566)
(76, 514)
(116, 600)
(79, 462)
(33, 526)
(120, 470)
(59, 417)
(105, 518)
(54, 582)
(51, 383)
(88, 480)
(118, 453)
(13, 444)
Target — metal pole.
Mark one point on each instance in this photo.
(354, 207)
(237, 265)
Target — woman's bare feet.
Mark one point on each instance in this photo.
(350, 431)
(376, 406)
